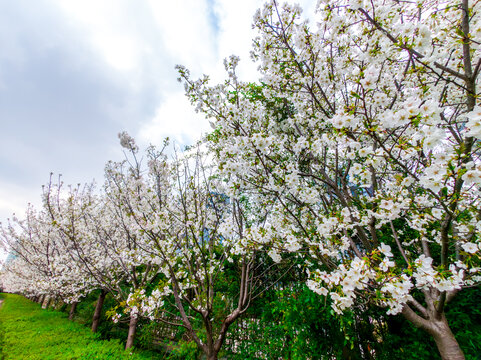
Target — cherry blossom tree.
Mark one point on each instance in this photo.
(124, 190)
(363, 137)
(41, 264)
(75, 214)
(192, 231)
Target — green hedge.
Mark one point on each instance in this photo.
(28, 332)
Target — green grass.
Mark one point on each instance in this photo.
(28, 332)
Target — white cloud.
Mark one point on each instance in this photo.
(14, 199)
(186, 31)
(176, 119)
(110, 27)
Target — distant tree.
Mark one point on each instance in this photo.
(193, 232)
(89, 237)
(40, 263)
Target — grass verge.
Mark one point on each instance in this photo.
(28, 332)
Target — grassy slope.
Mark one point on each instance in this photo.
(28, 332)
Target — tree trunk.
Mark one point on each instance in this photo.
(446, 342)
(132, 329)
(55, 303)
(438, 328)
(210, 351)
(72, 310)
(45, 302)
(98, 310)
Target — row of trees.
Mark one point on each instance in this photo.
(355, 159)
(157, 239)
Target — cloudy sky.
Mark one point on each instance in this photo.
(74, 73)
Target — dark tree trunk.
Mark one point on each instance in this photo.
(72, 310)
(132, 330)
(98, 310)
